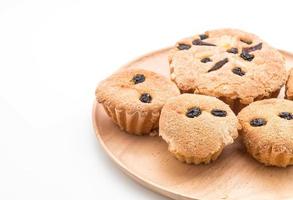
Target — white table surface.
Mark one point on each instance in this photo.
(52, 55)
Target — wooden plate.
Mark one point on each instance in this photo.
(235, 175)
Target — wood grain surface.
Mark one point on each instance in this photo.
(235, 175)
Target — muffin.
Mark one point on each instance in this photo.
(289, 86)
(267, 131)
(133, 99)
(233, 65)
(197, 127)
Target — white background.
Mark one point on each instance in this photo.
(52, 55)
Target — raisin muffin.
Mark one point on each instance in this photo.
(267, 130)
(233, 65)
(133, 99)
(289, 86)
(197, 127)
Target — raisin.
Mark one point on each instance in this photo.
(258, 122)
(253, 48)
(203, 36)
(183, 46)
(219, 113)
(238, 71)
(286, 115)
(246, 41)
(246, 56)
(193, 112)
(201, 43)
(233, 50)
(138, 78)
(219, 64)
(205, 60)
(145, 98)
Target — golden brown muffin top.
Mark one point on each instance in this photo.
(136, 90)
(268, 124)
(191, 132)
(227, 63)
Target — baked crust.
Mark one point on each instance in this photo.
(121, 99)
(200, 139)
(272, 143)
(289, 86)
(264, 75)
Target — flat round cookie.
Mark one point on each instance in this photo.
(267, 131)
(233, 65)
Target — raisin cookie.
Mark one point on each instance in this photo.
(267, 130)
(289, 86)
(133, 99)
(197, 127)
(233, 65)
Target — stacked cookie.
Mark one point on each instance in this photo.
(219, 73)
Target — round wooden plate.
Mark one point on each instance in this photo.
(235, 175)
